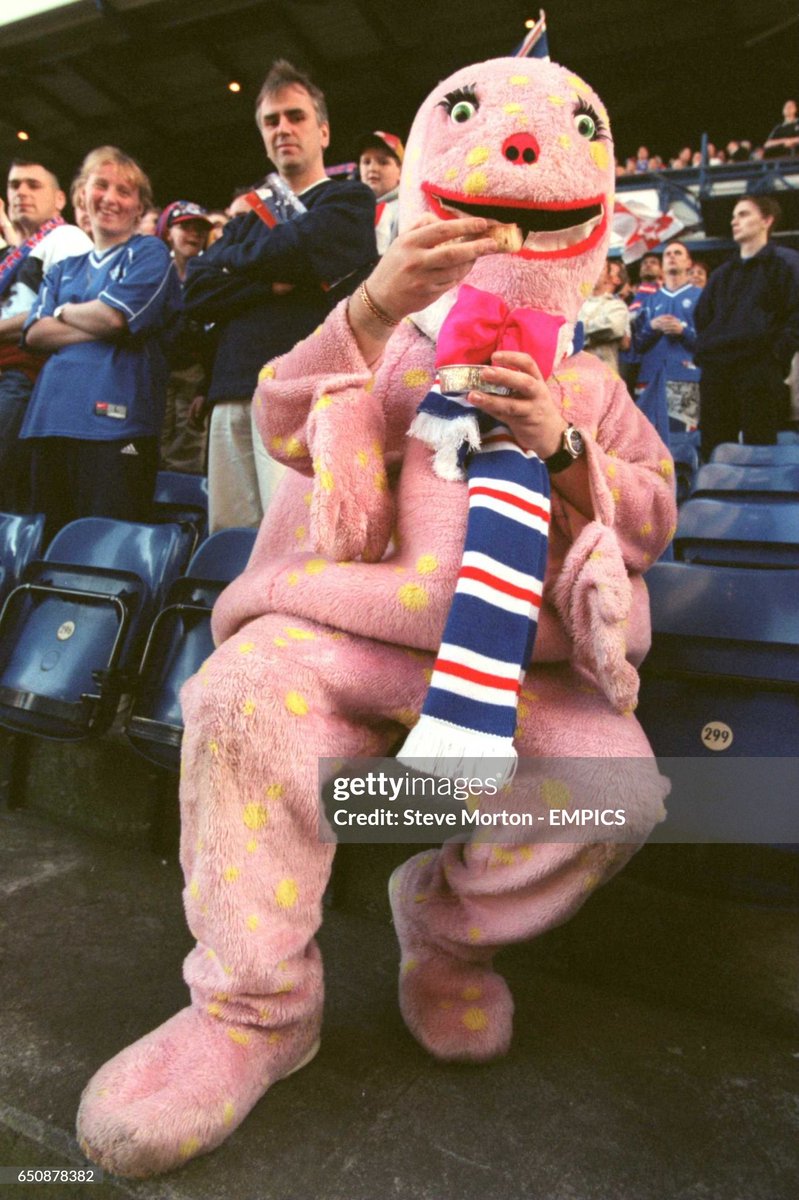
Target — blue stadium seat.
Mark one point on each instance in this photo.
(755, 456)
(223, 556)
(727, 481)
(179, 487)
(729, 533)
(725, 652)
(719, 702)
(182, 498)
(788, 437)
(179, 642)
(72, 630)
(692, 436)
(686, 463)
(20, 543)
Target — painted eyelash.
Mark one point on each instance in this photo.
(589, 110)
(462, 93)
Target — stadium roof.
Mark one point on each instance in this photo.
(152, 75)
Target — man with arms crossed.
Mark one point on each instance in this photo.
(266, 288)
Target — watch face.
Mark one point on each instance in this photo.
(573, 442)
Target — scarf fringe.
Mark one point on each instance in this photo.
(448, 751)
(447, 439)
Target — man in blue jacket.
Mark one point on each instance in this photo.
(265, 286)
(748, 332)
(664, 337)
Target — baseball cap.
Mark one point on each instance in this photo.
(177, 212)
(386, 141)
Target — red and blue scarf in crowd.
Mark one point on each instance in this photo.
(9, 267)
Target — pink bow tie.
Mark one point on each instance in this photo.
(480, 323)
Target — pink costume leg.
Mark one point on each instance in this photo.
(267, 704)
(455, 908)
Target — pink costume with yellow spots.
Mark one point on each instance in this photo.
(325, 646)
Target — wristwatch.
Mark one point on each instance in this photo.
(571, 447)
(58, 311)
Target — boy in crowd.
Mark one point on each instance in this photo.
(379, 164)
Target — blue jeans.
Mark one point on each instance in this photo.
(15, 391)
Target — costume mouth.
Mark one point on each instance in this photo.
(560, 229)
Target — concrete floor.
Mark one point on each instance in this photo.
(656, 1054)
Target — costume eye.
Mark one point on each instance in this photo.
(461, 104)
(588, 123)
(585, 126)
(464, 110)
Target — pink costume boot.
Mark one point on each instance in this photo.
(266, 705)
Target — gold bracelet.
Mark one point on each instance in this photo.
(375, 309)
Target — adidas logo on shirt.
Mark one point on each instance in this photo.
(129, 449)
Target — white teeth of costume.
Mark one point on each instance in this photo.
(561, 239)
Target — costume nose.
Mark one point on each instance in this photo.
(521, 148)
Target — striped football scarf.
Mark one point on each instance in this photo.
(9, 267)
(470, 712)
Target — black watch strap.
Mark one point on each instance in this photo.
(564, 457)
(558, 461)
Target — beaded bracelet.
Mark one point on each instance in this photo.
(375, 309)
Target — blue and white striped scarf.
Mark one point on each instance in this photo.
(469, 715)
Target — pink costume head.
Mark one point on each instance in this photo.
(525, 142)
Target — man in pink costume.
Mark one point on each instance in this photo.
(325, 643)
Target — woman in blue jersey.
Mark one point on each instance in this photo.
(94, 417)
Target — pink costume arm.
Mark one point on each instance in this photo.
(596, 589)
(631, 472)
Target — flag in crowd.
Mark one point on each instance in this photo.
(637, 228)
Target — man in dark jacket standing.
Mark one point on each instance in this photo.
(268, 285)
(747, 322)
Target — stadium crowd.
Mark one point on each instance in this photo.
(782, 142)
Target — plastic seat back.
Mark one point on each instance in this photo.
(179, 487)
(179, 642)
(728, 533)
(723, 671)
(72, 630)
(157, 553)
(20, 543)
(686, 463)
(727, 479)
(182, 498)
(755, 456)
(223, 556)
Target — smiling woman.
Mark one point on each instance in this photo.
(114, 205)
(116, 194)
(97, 408)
